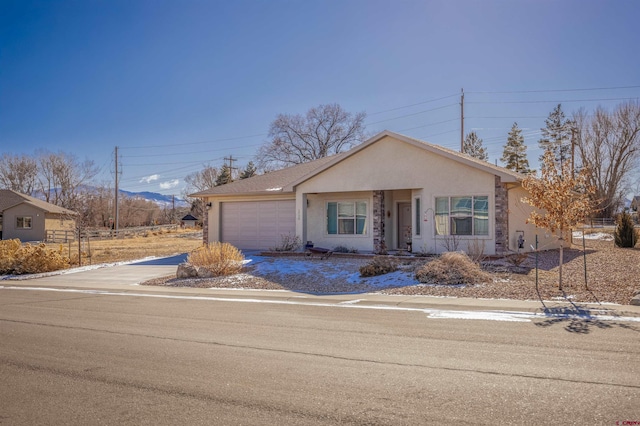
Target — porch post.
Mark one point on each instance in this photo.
(301, 217)
(502, 216)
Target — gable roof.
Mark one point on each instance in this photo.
(9, 198)
(285, 180)
(189, 217)
(505, 174)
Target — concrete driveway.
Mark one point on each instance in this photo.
(119, 276)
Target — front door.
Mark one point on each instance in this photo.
(404, 226)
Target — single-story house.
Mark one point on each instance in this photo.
(188, 221)
(29, 219)
(391, 190)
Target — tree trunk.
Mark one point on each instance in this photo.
(560, 264)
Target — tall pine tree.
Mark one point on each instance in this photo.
(224, 176)
(248, 171)
(514, 155)
(556, 136)
(473, 146)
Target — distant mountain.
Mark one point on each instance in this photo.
(160, 199)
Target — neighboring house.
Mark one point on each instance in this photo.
(188, 221)
(28, 219)
(391, 189)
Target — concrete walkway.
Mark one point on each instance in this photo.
(127, 277)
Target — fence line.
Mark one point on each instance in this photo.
(64, 236)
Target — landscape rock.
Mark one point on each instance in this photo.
(186, 270)
(204, 273)
(635, 300)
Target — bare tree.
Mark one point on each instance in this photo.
(562, 200)
(608, 145)
(97, 208)
(324, 131)
(18, 173)
(63, 179)
(196, 182)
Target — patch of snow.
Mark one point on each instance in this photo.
(603, 236)
(274, 189)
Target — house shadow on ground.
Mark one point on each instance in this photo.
(581, 320)
(164, 261)
(548, 260)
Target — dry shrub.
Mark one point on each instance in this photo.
(30, 259)
(452, 268)
(288, 242)
(379, 265)
(8, 249)
(517, 259)
(218, 258)
(475, 249)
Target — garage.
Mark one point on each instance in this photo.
(257, 224)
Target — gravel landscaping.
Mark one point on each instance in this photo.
(611, 276)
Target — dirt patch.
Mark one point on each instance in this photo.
(158, 244)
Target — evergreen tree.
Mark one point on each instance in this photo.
(556, 136)
(473, 146)
(625, 235)
(515, 151)
(248, 171)
(224, 176)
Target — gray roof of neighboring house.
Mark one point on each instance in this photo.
(188, 217)
(9, 198)
(278, 181)
(285, 180)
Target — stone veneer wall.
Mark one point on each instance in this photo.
(205, 224)
(502, 216)
(378, 219)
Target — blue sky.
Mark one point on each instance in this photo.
(179, 84)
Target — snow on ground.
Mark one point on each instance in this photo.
(594, 236)
(328, 270)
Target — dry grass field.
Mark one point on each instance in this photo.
(123, 249)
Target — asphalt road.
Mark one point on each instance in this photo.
(88, 358)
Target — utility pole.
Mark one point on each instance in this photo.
(116, 195)
(230, 159)
(462, 120)
(173, 209)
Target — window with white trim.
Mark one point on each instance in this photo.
(23, 222)
(466, 215)
(347, 218)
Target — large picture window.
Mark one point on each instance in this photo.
(23, 222)
(462, 215)
(347, 217)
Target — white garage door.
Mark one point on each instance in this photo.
(257, 225)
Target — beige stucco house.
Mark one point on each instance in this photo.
(392, 190)
(28, 219)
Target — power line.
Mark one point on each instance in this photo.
(411, 115)
(189, 152)
(196, 143)
(554, 101)
(554, 90)
(412, 105)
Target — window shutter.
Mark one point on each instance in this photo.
(332, 218)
